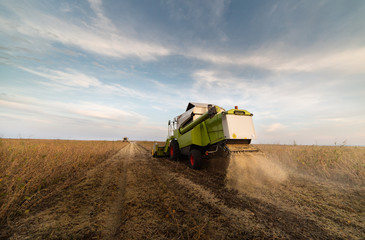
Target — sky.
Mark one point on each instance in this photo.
(103, 70)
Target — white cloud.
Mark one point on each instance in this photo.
(104, 38)
(70, 77)
(93, 110)
(346, 60)
(222, 86)
(16, 105)
(207, 77)
(277, 60)
(158, 108)
(102, 21)
(55, 109)
(122, 91)
(40, 118)
(101, 38)
(275, 127)
(305, 103)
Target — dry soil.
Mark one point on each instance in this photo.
(135, 196)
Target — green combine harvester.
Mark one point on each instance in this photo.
(205, 129)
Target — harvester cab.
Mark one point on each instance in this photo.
(204, 129)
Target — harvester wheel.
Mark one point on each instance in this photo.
(195, 159)
(174, 150)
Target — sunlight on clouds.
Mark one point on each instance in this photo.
(347, 60)
(101, 111)
(34, 117)
(12, 105)
(229, 59)
(275, 127)
(51, 109)
(302, 103)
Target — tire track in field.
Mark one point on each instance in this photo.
(113, 220)
(131, 154)
(254, 217)
(238, 220)
(205, 205)
(160, 208)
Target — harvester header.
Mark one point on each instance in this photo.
(203, 130)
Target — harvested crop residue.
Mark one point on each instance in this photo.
(135, 196)
(248, 170)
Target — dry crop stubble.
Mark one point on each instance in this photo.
(166, 199)
(32, 170)
(345, 164)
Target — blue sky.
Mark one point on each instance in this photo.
(108, 69)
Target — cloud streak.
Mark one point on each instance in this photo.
(83, 110)
(343, 61)
(70, 77)
(101, 38)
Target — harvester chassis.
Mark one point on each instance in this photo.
(206, 132)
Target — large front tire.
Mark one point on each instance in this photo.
(174, 150)
(195, 159)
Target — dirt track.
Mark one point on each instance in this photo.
(135, 196)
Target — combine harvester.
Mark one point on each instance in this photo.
(205, 129)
